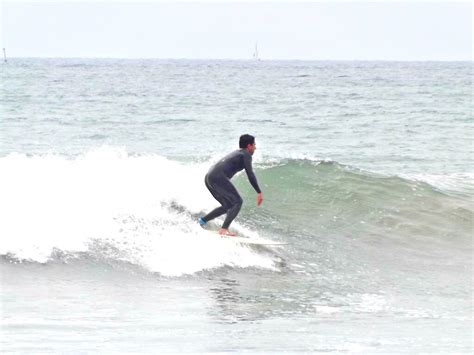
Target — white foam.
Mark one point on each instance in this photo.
(370, 303)
(450, 182)
(51, 202)
(326, 309)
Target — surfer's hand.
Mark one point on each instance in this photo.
(259, 199)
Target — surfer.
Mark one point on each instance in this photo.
(217, 180)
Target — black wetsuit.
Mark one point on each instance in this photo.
(218, 182)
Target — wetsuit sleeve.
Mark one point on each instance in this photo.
(250, 173)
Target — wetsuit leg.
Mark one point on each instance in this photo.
(232, 213)
(224, 192)
(219, 211)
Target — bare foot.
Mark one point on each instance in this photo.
(226, 232)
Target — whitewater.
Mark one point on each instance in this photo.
(119, 202)
(366, 173)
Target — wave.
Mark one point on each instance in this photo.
(334, 199)
(117, 201)
(121, 206)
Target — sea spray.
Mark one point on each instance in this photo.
(119, 202)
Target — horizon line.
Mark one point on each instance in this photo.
(244, 59)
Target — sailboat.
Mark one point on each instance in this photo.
(255, 53)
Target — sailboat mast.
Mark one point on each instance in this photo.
(255, 53)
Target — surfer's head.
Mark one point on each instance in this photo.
(247, 141)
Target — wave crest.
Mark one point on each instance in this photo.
(120, 202)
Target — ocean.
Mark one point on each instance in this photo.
(366, 170)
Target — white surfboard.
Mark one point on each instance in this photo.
(251, 241)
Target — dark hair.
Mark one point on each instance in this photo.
(245, 140)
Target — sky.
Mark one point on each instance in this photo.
(320, 30)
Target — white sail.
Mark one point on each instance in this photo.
(255, 53)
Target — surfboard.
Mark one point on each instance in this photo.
(251, 241)
(212, 227)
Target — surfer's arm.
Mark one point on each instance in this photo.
(250, 174)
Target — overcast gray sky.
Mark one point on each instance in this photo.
(321, 30)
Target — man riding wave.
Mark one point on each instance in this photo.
(217, 180)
